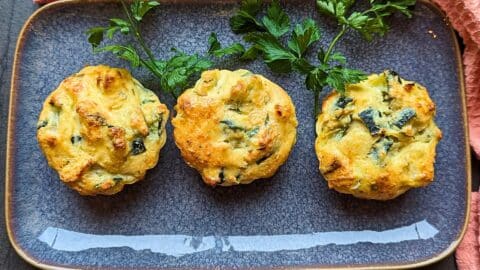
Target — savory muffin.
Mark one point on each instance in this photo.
(234, 127)
(101, 129)
(378, 140)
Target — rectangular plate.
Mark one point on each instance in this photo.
(171, 219)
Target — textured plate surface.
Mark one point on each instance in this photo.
(171, 219)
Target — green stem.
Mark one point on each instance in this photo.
(332, 44)
(149, 67)
(155, 72)
(325, 61)
(137, 33)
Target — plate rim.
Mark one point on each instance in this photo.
(11, 142)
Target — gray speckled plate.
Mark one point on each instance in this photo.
(171, 219)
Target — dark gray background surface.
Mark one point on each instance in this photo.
(13, 14)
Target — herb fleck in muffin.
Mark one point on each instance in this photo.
(101, 129)
(234, 127)
(379, 139)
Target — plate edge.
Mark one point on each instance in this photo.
(10, 131)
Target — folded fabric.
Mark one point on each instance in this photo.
(468, 252)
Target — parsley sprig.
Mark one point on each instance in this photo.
(174, 73)
(266, 33)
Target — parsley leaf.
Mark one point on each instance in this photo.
(275, 55)
(338, 77)
(123, 52)
(95, 35)
(327, 7)
(213, 43)
(369, 22)
(338, 57)
(334, 8)
(304, 36)
(252, 7)
(373, 20)
(386, 9)
(179, 69)
(244, 20)
(140, 8)
(303, 66)
(120, 24)
(251, 53)
(215, 47)
(315, 80)
(277, 21)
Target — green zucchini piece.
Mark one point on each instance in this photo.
(75, 139)
(265, 157)
(232, 125)
(369, 117)
(42, 124)
(160, 123)
(391, 75)
(145, 101)
(235, 108)
(382, 146)
(221, 175)
(253, 132)
(404, 116)
(138, 146)
(343, 101)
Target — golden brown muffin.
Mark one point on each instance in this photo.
(234, 127)
(378, 140)
(101, 129)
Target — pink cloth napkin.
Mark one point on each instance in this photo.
(468, 252)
